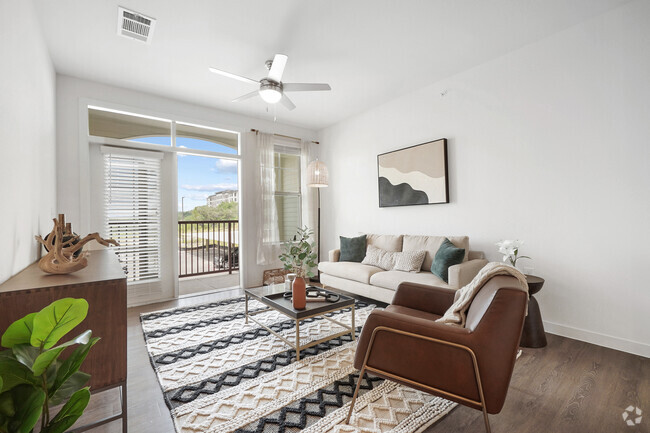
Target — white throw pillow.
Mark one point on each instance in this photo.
(409, 261)
(380, 258)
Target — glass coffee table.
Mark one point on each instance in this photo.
(273, 297)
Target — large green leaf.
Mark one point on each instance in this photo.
(74, 383)
(28, 402)
(0, 383)
(26, 354)
(69, 413)
(51, 373)
(56, 320)
(19, 332)
(7, 407)
(46, 358)
(72, 364)
(13, 373)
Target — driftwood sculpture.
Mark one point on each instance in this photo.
(64, 248)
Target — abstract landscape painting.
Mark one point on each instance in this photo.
(414, 175)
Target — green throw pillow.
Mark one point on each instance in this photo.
(448, 255)
(353, 249)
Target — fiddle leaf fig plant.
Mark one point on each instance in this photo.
(298, 254)
(33, 377)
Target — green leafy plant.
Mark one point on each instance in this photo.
(298, 254)
(33, 378)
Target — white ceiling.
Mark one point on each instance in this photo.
(369, 51)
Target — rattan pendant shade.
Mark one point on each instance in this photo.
(317, 175)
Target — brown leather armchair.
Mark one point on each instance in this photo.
(471, 365)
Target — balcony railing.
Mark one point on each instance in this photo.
(208, 247)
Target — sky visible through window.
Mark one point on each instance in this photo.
(200, 176)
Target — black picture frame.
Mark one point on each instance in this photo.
(422, 164)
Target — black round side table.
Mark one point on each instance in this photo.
(533, 334)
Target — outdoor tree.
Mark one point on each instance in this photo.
(224, 211)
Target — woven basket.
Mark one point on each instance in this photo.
(274, 276)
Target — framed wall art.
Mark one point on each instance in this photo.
(414, 175)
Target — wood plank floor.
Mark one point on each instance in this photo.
(568, 386)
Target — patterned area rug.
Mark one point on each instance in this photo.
(219, 374)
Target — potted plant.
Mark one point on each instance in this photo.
(299, 257)
(510, 251)
(33, 378)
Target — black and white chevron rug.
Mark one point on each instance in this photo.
(219, 374)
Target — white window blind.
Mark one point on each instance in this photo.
(132, 209)
(287, 190)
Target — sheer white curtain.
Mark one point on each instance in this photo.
(268, 235)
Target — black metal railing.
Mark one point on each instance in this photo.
(208, 247)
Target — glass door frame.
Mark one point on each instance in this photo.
(84, 153)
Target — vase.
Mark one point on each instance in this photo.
(299, 293)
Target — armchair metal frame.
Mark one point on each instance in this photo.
(431, 389)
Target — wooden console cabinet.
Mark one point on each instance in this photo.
(103, 284)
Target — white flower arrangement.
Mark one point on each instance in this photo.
(510, 251)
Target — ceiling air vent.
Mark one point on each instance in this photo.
(134, 25)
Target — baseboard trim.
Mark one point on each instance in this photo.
(634, 347)
(144, 301)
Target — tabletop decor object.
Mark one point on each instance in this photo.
(510, 251)
(63, 247)
(298, 256)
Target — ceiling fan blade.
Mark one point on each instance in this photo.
(305, 87)
(277, 68)
(235, 76)
(287, 102)
(246, 96)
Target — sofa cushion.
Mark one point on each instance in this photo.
(386, 242)
(409, 261)
(380, 258)
(353, 249)
(431, 244)
(349, 270)
(392, 279)
(448, 255)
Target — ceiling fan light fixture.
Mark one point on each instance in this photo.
(271, 89)
(270, 92)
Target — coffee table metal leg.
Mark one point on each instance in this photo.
(297, 340)
(246, 308)
(354, 328)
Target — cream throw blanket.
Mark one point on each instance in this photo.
(457, 313)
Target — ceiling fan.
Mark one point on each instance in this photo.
(271, 89)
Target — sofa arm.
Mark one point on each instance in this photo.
(462, 274)
(334, 255)
(431, 299)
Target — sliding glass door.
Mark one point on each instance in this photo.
(208, 223)
(168, 192)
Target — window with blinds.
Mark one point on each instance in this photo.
(287, 190)
(132, 202)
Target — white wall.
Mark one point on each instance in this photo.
(72, 189)
(548, 144)
(27, 137)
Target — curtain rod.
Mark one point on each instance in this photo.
(285, 136)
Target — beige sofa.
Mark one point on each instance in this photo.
(376, 283)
